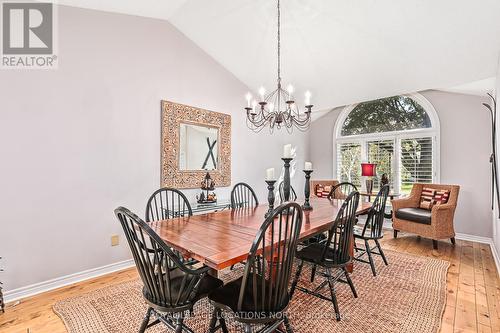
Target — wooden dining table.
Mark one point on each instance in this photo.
(221, 239)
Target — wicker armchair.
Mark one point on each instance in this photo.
(314, 183)
(441, 216)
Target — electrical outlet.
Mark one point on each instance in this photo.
(115, 240)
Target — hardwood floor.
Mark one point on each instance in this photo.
(473, 302)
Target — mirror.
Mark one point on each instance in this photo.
(194, 141)
(198, 147)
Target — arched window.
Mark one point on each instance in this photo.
(400, 134)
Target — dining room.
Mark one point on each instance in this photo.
(249, 166)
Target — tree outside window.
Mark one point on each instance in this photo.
(397, 134)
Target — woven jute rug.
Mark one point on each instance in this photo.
(409, 295)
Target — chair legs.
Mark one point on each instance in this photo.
(395, 233)
(288, 327)
(382, 254)
(313, 273)
(296, 279)
(145, 322)
(370, 257)
(333, 295)
(178, 326)
(452, 240)
(330, 281)
(213, 321)
(217, 315)
(434, 244)
(368, 251)
(349, 281)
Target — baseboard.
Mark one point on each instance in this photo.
(473, 238)
(496, 256)
(37, 288)
(484, 240)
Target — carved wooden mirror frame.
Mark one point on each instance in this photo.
(172, 115)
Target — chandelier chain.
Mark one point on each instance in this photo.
(279, 44)
(270, 112)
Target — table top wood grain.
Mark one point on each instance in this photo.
(223, 238)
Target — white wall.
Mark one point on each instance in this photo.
(496, 220)
(465, 150)
(79, 141)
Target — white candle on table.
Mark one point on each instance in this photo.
(287, 151)
(270, 174)
(308, 166)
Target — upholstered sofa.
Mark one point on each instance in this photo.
(436, 223)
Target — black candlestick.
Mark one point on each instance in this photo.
(307, 190)
(286, 179)
(270, 197)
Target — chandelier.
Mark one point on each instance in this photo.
(278, 109)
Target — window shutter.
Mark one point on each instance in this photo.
(416, 162)
(349, 163)
(381, 152)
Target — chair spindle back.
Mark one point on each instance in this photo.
(167, 203)
(243, 195)
(270, 260)
(293, 194)
(167, 281)
(342, 190)
(341, 233)
(376, 215)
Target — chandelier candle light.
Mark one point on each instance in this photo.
(308, 169)
(278, 108)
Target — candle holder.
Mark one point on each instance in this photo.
(270, 197)
(307, 190)
(286, 180)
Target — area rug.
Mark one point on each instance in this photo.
(409, 295)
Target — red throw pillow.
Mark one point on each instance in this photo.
(319, 190)
(427, 198)
(441, 197)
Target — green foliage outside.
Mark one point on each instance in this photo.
(388, 115)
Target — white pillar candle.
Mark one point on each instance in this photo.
(308, 166)
(287, 151)
(270, 174)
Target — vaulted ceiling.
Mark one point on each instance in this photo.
(342, 51)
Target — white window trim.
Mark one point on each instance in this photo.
(397, 136)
